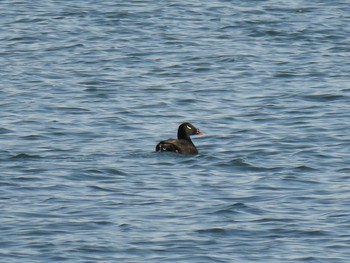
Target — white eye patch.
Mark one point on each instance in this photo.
(188, 127)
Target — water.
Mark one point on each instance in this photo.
(88, 89)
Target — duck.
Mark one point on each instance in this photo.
(183, 144)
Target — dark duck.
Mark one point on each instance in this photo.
(183, 144)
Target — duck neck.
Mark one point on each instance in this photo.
(182, 135)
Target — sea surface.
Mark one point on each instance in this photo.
(88, 88)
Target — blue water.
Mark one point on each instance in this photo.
(88, 88)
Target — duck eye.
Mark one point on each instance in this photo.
(188, 127)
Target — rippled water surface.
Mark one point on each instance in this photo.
(88, 88)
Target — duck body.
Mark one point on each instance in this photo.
(183, 144)
(177, 146)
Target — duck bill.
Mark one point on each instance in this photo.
(199, 133)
